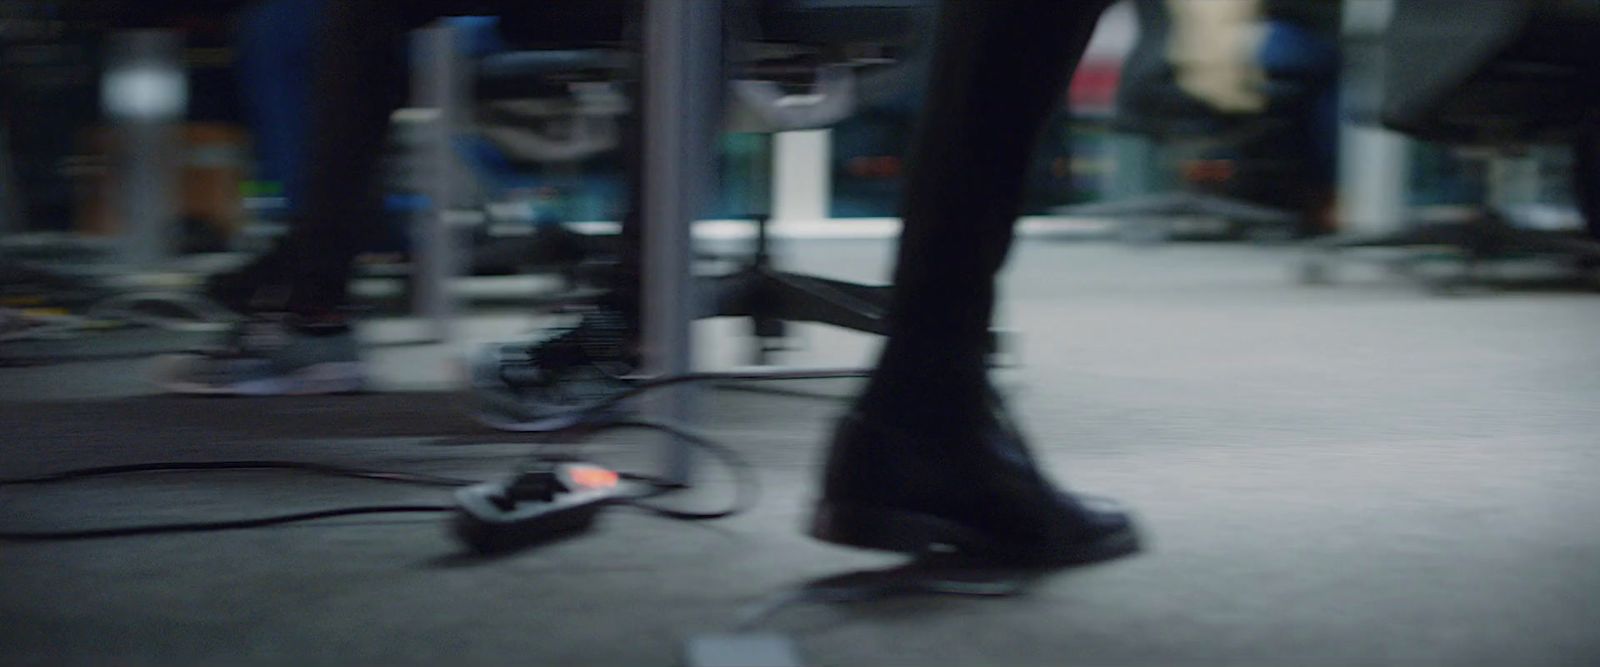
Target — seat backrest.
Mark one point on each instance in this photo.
(809, 63)
(803, 64)
(1491, 71)
(794, 64)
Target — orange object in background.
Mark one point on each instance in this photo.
(211, 172)
(1208, 171)
(874, 167)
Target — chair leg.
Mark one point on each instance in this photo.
(800, 298)
(1324, 255)
(1482, 241)
(1544, 242)
(866, 297)
(1460, 234)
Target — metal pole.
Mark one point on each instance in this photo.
(144, 92)
(801, 181)
(682, 51)
(433, 247)
(1374, 163)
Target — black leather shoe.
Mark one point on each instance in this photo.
(973, 490)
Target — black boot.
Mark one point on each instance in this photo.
(968, 486)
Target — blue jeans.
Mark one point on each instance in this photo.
(276, 44)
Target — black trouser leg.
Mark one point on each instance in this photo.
(999, 69)
(359, 79)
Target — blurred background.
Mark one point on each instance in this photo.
(1307, 282)
(176, 130)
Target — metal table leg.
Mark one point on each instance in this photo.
(682, 52)
(436, 86)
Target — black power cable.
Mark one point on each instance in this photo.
(230, 524)
(185, 466)
(585, 415)
(213, 526)
(746, 486)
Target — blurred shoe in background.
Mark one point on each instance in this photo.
(269, 355)
(548, 383)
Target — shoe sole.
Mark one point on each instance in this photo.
(916, 533)
(315, 380)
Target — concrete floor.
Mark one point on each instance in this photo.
(1352, 475)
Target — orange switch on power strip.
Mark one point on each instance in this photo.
(591, 477)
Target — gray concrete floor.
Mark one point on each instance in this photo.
(1351, 475)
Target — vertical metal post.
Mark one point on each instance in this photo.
(801, 178)
(682, 52)
(1136, 171)
(1374, 163)
(145, 92)
(1511, 181)
(436, 85)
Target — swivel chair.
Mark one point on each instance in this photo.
(547, 95)
(1152, 104)
(836, 55)
(793, 65)
(1499, 76)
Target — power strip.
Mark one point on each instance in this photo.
(539, 504)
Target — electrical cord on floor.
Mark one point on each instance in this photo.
(746, 485)
(213, 526)
(597, 412)
(747, 489)
(231, 524)
(597, 417)
(190, 466)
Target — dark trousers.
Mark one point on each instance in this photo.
(359, 79)
(1000, 70)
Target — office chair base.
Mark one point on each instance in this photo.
(1162, 217)
(1477, 247)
